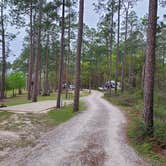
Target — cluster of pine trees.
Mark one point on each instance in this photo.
(45, 59)
(135, 43)
(123, 47)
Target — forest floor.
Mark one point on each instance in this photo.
(95, 137)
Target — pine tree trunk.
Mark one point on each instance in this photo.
(125, 51)
(68, 54)
(40, 72)
(37, 58)
(13, 94)
(19, 91)
(3, 54)
(143, 69)
(61, 63)
(117, 54)
(111, 40)
(31, 55)
(150, 67)
(46, 91)
(78, 56)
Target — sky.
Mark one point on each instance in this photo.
(90, 18)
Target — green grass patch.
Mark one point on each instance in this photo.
(4, 115)
(150, 148)
(62, 115)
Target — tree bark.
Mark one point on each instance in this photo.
(3, 79)
(46, 91)
(37, 63)
(40, 71)
(30, 55)
(117, 54)
(13, 94)
(125, 50)
(68, 54)
(150, 67)
(61, 63)
(78, 57)
(19, 91)
(111, 40)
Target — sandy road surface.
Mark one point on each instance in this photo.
(37, 107)
(93, 138)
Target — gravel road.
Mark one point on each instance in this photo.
(94, 137)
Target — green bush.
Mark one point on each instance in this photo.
(64, 114)
(15, 80)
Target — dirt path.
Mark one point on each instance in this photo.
(93, 138)
(38, 107)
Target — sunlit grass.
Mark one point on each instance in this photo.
(61, 115)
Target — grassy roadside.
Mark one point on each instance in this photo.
(59, 116)
(150, 148)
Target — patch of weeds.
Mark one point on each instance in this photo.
(136, 127)
(4, 115)
(25, 143)
(160, 134)
(160, 113)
